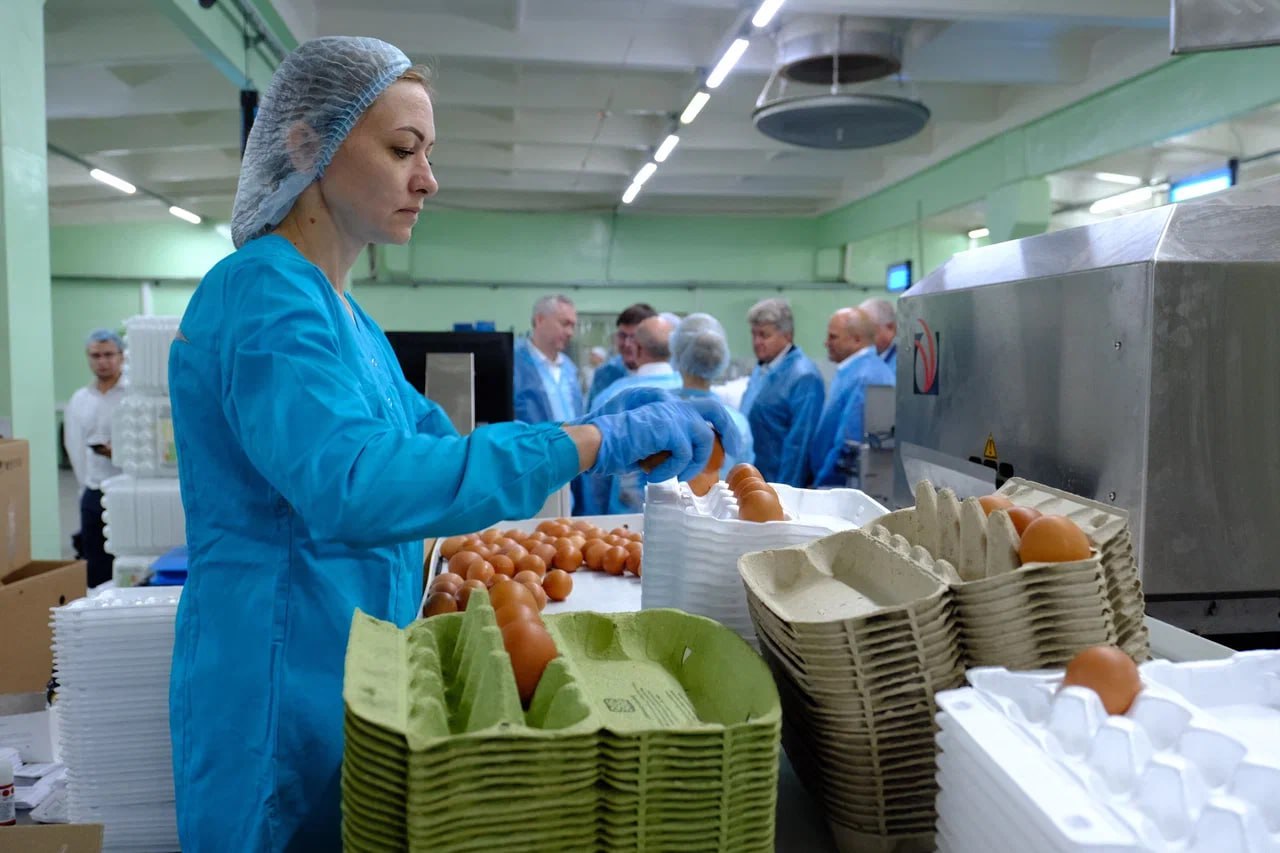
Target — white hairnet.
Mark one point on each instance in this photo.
(323, 86)
(699, 347)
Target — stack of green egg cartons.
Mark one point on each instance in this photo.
(649, 731)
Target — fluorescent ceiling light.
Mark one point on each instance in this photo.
(184, 214)
(631, 193)
(1114, 178)
(765, 13)
(664, 150)
(696, 103)
(112, 181)
(1116, 202)
(979, 233)
(645, 173)
(726, 63)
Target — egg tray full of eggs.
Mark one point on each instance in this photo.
(587, 731)
(1036, 573)
(693, 542)
(1109, 756)
(859, 632)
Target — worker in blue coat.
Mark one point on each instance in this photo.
(700, 353)
(784, 396)
(310, 469)
(851, 345)
(545, 385)
(886, 320)
(623, 361)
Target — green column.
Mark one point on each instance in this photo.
(26, 320)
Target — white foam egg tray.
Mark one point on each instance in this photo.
(692, 544)
(142, 516)
(142, 436)
(146, 359)
(1193, 765)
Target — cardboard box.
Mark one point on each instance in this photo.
(15, 505)
(52, 838)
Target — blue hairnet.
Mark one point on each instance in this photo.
(325, 85)
(699, 347)
(103, 336)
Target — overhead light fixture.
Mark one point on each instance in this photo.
(765, 13)
(696, 103)
(726, 63)
(1114, 178)
(112, 181)
(184, 214)
(1123, 200)
(979, 233)
(631, 193)
(664, 150)
(645, 173)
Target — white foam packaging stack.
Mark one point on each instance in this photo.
(692, 544)
(111, 658)
(143, 517)
(142, 436)
(147, 340)
(1193, 765)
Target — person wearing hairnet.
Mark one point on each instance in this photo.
(784, 396)
(700, 352)
(545, 382)
(311, 470)
(851, 335)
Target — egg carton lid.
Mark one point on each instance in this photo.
(814, 512)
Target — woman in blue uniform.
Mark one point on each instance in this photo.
(311, 471)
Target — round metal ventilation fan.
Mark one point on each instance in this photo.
(836, 118)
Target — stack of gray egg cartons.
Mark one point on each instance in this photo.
(859, 632)
(692, 544)
(143, 508)
(111, 658)
(1034, 615)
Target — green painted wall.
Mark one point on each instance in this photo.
(926, 249)
(153, 250)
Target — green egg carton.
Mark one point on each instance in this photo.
(634, 739)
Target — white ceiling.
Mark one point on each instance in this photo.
(555, 104)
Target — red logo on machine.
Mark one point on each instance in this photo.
(925, 360)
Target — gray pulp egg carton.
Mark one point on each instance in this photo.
(1036, 615)
(859, 632)
(692, 544)
(1193, 765)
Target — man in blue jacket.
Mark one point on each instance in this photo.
(546, 380)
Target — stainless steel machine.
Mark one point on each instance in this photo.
(1135, 361)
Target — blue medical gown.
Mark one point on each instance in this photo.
(783, 406)
(739, 420)
(606, 374)
(668, 381)
(890, 357)
(310, 472)
(843, 414)
(538, 397)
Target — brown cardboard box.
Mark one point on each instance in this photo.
(52, 838)
(15, 505)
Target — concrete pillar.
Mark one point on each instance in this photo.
(26, 314)
(1019, 209)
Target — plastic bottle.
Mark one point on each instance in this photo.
(8, 807)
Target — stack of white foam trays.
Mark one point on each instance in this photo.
(692, 544)
(1193, 765)
(111, 658)
(860, 635)
(143, 508)
(1038, 615)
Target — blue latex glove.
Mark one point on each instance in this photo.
(646, 421)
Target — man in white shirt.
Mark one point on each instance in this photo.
(86, 434)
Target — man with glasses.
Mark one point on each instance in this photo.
(86, 434)
(624, 343)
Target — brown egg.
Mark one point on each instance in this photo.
(615, 560)
(568, 556)
(530, 648)
(582, 526)
(593, 554)
(490, 536)
(538, 593)
(742, 469)
(514, 552)
(462, 561)
(557, 585)
(482, 571)
(1022, 516)
(514, 535)
(439, 602)
(464, 593)
(759, 506)
(991, 503)
(451, 546)
(502, 565)
(533, 564)
(578, 540)
(635, 536)
(702, 483)
(496, 580)
(527, 577)
(1108, 672)
(510, 593)
(747, 486)
(447, 582)
(517, 610)
(545, 552)
(1054, 539)
(614, 539)
(534, 538)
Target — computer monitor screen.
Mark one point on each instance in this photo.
(493, 353)
(1202, 184)
(898, 277)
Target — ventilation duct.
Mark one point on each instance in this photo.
(807, 100)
